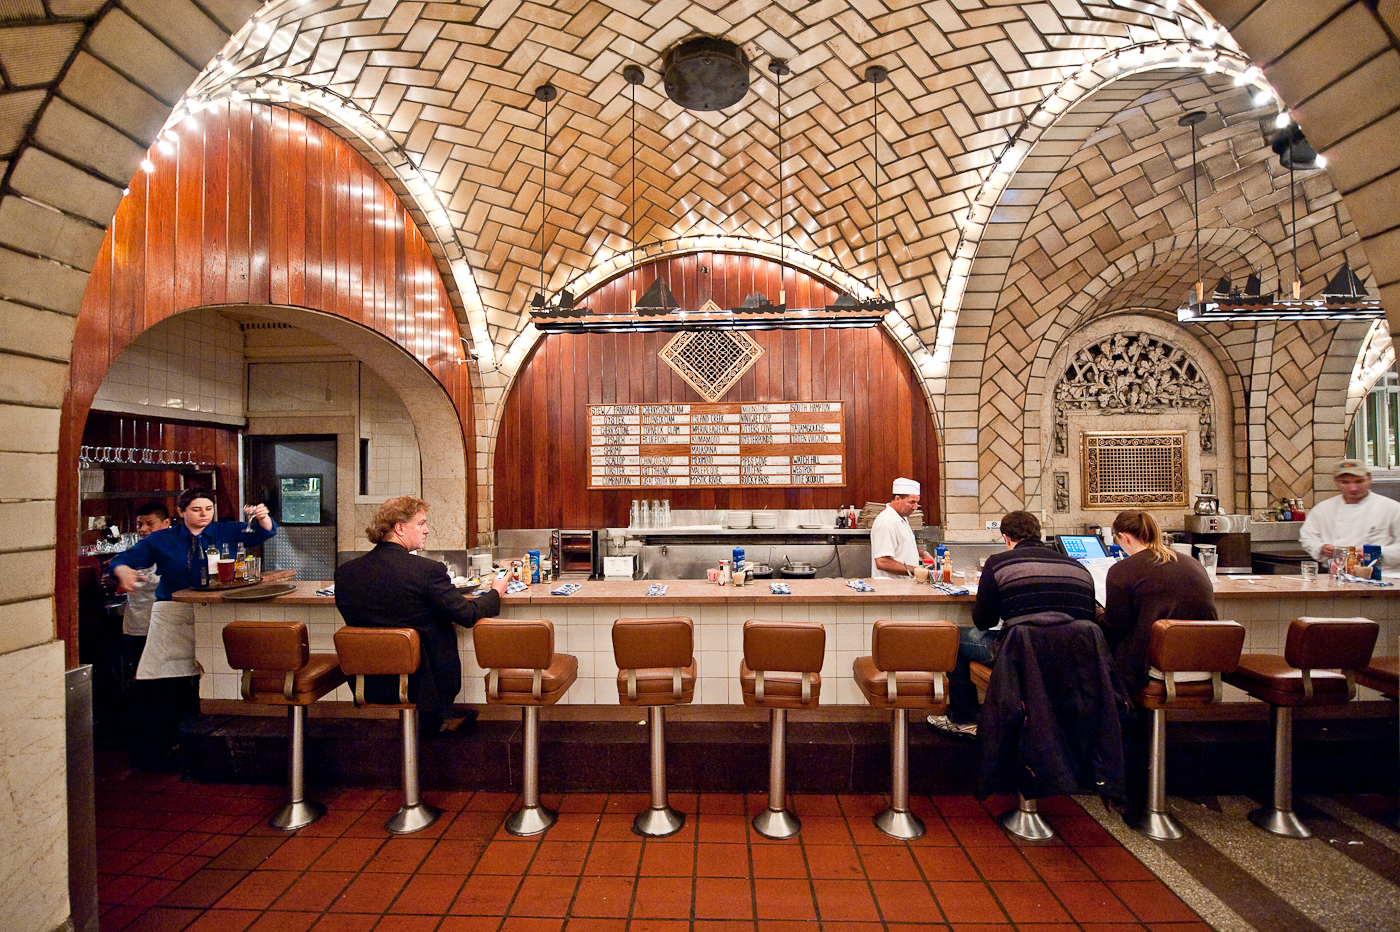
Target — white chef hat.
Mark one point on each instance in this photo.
(906, 487)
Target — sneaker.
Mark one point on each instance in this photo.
(944, 724)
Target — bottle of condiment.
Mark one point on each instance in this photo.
(1299, 512)
(840, 516)
(211, 561)
(1350, 567)
(240, 562)
(724, 572)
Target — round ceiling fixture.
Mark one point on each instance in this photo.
(705, 73)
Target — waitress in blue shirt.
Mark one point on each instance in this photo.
(167, 666)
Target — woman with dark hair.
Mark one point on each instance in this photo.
(167, 675)
(1152, 583)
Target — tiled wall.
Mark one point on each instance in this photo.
(394, 464)
(191, 362)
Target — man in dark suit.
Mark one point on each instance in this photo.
(391, 587)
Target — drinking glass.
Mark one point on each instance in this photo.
(1208, 560)
(1309, 571)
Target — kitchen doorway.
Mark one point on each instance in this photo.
(294, 475)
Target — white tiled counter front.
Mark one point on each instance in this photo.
(583, 625)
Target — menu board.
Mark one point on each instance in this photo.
(722, 444)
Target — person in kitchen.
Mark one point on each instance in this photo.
(167, 673)
(893, 551)
(1353, 519)
(391, 587)
(136, 621)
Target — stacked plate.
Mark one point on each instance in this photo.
(739, 519)
(765, 519)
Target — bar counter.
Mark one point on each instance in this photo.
(583, 622)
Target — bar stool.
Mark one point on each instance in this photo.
(1025, 821)
(392, 652)
(523, 669)
(1383, 675)
(1304, 676)
(279, 669)
(656, 668)
(781, 670)
(907, 669)
(1178, 647)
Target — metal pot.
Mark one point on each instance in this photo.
(798, 570)
(1207, 505)
(761, 570)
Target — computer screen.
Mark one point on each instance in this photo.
(1082, 546)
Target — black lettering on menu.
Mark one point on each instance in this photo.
(804, 460)
(759, 438)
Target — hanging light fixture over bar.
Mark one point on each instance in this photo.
(658, 309)
(1344, 297)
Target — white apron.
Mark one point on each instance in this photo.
(169, 643)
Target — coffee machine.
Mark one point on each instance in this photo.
(1229, 534)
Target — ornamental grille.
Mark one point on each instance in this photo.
(711, 361)
(1134, 470)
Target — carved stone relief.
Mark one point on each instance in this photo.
(1132, 373)
(1061, 492)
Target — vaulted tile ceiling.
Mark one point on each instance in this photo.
(1017, 141)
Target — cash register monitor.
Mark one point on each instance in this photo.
(1082, 546)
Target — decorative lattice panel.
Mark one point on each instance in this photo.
(711, 361)
(1134, 470)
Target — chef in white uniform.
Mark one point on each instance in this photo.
(893, 552)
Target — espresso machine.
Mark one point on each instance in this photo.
(1229, 534)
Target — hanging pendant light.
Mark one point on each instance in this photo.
(545, 92)
(875, 75)
(757, 302)
(1344, 297)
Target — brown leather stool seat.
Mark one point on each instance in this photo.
(279, 669)
(523, 669)
(781, 670)
(1318, 667)
(1176, 647)
(906, 669)
(390, 652)
(656, 668)
(1383, 675)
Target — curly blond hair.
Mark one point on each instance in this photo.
(399, 510)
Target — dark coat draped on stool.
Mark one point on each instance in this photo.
(1052, 722)
(392, 588)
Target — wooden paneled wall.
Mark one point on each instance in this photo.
(258, 205)
(541, 464)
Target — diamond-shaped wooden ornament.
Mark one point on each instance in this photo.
(711, 361)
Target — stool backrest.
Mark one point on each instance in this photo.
(378, 652)
(790, 646)
(280, 646)
(914, 646)
(1177, 646)
(1330, 643)
(653, 642)
(1211, 646)
(514, 643)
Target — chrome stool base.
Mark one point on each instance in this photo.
(296, 815)
(1158, 825)
(1025, 822)
(412, 819)
(1280, 822)
(530, 820)
(658, 823)
(901, 824)
(777, 823)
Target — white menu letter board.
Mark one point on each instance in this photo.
(780, 443)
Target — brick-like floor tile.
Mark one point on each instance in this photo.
(486, 895)
(679, 859)
(663, 898)
(845, 900)
(779, 898)
(723, 898)
(604, 897)
(966, 902)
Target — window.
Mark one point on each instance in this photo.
(1375, 433)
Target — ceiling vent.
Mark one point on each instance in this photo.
(705, 73)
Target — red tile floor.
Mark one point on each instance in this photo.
(176, 855)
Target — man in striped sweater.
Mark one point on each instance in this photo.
(1029, 578)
